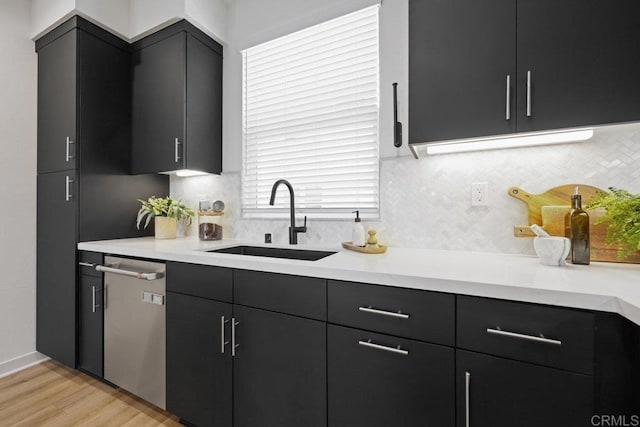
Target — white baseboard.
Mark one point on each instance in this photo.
(19, 363)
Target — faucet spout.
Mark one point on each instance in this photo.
(293, 230)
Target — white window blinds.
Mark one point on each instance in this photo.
(310, 115)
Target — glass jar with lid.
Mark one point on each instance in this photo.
(209, 227)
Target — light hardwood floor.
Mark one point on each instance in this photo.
(50, 394)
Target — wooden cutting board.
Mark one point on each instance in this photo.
(559, 196)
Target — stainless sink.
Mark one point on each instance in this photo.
(301, 254)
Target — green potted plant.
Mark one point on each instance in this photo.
(622, 212)
(166, 213)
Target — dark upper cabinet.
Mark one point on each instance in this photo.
(177, 101)
(393, 382)
(461, 54)
(515, 66)
(199, 366)
(497, 392)
(84, 92)
(279, 370)
(583, 61)
(90, 325)
(57, 102)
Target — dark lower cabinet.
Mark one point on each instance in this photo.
(279, 370)
(57, 214)
(497, 392)
(90, 325)
(199, 373)
(381, 380)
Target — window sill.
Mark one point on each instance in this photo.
(316, 216)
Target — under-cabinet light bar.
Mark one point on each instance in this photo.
(187, 172)
(496, 143)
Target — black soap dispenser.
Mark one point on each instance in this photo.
(579, 231)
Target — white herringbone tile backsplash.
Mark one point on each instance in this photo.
(426, 203)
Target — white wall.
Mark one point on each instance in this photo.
(210, 16)
(146, 15)
(426, 203)
(18, 189)
(113, 14)
(252, 22)
(132, 19)
(47, 13)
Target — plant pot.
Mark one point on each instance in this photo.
(165, 227)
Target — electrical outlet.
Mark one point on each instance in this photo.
(479, 194)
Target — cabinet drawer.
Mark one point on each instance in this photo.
(427, 316)
(300, 296)
(200, 280)
(550, 336)
(379, 380)
(91, 259)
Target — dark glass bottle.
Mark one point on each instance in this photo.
(579, 231)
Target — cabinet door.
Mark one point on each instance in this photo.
(56, 266)
(279, 370)
(199, 370)
(583, 60)
(90, 325)
(461, 53)
(203, 147)
(57, 104)
(506, 393)
(379, 386)
(159, 105)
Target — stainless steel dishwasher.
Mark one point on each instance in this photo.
(134, 327)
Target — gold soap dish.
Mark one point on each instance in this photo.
(376, 249)
(372, 246)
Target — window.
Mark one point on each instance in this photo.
(310, 115)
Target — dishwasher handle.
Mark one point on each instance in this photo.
(136, 274)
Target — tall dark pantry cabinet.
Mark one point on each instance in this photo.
(84, 189)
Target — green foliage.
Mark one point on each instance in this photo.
(157, 206)
(623, 216)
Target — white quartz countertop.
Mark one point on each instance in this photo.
(600, 286)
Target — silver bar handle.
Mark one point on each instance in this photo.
(93, 299)
(136, 274)
(86, 264)
(467, 383)
(233, 336)
(529, 93)
(67, 192)
(177, 144)
(223, 342)
(370, 344)
(508, 104)
(370, 309)
(68, 155)
(541, 338)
